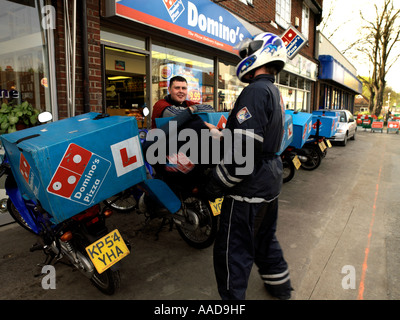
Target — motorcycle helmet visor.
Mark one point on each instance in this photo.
(252, 47)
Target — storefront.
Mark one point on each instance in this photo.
(145, 46)
(337, 86)
(296, 83)
(192, 40)
(27, 54)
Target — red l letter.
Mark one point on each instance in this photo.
(125, 160)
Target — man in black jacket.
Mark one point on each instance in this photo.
(250, 208)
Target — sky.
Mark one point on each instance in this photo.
(346, 16)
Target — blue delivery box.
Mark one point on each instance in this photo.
(327, 125)
(301, 127)
(287, 135)
(72, 164)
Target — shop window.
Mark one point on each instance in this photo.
(24, 59)
(125, 81)
(197, 70)
(229, 87)
(284, 78)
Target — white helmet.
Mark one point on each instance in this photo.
(264, 48)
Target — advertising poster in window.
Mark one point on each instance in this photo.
(193, 77)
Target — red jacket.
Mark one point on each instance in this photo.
(160, 106)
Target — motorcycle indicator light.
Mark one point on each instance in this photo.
(108, 213)
(67, 236)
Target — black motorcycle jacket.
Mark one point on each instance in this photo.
(257, 118)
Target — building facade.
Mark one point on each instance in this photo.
(338, 84)
(71, 57)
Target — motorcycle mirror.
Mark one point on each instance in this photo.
(45, 117)
(146, 111)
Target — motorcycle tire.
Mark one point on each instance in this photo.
(204, 235)
(288, 169)
(122, 202)
(13, 211)
(107, 282)
(313, 160)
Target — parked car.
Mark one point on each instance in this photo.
(347, 127)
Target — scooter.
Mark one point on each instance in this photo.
(83, 240)
(196, 220)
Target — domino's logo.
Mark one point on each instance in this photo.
(79, 175)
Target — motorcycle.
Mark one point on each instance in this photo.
(196, 220)
(79, 239)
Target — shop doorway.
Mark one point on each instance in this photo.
(125, 81)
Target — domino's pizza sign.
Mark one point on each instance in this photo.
(293, 41)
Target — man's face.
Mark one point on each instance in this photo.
(178, 91)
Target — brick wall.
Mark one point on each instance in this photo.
(94, 57)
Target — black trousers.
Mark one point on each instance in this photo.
(246, 236)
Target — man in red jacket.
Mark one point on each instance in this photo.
(176, 101)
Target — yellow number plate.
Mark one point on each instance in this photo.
(296, 162)
(328, 143)
(216, 206)
(322, 146)
(107, 251)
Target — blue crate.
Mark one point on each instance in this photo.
(72, 164)
(301, 127)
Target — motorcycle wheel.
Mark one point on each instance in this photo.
(313, 160)
(288, 169)
(17, 217)
(122, 202)
(199, 213)
(107, 282)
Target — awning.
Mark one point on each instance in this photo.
(333, 70)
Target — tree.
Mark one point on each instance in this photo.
(382, 35)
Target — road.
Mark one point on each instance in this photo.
(338, 227)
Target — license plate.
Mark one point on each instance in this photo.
(107, 251)
(328, 143)
(216, 206)
(322, 146)
(296, 162)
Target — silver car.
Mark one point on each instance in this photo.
(347, 127)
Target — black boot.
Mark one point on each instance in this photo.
(280, 291)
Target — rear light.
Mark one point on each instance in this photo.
(87, 214)
(93, 221)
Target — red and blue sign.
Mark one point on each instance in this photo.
(198, 20)
(293, 41)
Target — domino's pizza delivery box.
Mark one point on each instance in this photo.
(75, 163)
(327, 126)
(288, 134)
(301, 127)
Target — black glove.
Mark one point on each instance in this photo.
(212, 191)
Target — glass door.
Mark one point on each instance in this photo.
(125, 82)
